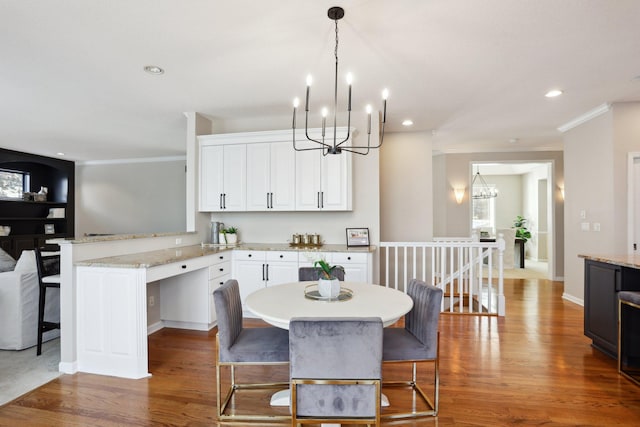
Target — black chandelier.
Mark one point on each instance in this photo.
(337, 13)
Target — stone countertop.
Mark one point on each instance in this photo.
(112, 237)
(289, 247)
(167, 256)
(631, 261)
(152, 258)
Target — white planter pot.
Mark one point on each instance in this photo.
(232, 239)
(329, 288)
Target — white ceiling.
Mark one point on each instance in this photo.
(473, 72)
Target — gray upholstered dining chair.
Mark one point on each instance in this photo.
(237, 345)
(336, 369)
(312, 273)
(417, 342)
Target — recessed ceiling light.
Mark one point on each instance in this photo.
(407, 122)
(153, 69)
(553, 93)
(513, 140)
(60, 154)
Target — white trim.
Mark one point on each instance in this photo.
(268, 136)
(155, 327)
(631, 191)
(126, 161)
(68, 367)
(573, 299)
(592, 114)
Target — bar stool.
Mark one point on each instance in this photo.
(629, 335)
(46, 280)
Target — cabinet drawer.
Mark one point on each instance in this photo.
(175, 268)
(282, 256)
(219, 269)
(349, 258)
(217, 282)
(221, 257)
(308, 258)
(248, 255)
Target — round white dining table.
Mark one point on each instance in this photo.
(277, 305)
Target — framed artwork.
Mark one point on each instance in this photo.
(357, 237)
(49, 229)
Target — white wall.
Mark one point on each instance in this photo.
(140, 197)
(406, 190)
(596, 183)
(510, 196)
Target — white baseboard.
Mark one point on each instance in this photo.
(573, 299)
(155, 327)
(68, 367)
(188, 325)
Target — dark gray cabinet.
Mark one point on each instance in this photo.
(603, 281)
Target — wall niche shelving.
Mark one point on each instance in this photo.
(28, 219)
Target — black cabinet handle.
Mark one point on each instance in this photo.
(322, 199)
(318, 200)
(224, 199)
(267, 272)
(349, 258)
(221, 257)
(263, 272)
(220, 200)
(184, 266)
(249, 255)
(281, 256)
(222, 269)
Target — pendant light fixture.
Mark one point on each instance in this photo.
(480, 189)
(336, 146)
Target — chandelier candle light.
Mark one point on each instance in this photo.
(337, 13)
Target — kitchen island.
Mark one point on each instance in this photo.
(604, 277)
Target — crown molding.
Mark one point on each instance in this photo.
(129, 161)
(592, 114)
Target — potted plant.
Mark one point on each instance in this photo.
(521, 229)
(229, 236)
(328, 284)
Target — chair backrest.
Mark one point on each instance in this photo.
(312, 273)
(47, 264)
(229, 312)
(335, 349)
(422, 320)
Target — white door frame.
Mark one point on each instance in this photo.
(631, 190)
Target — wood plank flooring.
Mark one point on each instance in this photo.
(532, 367)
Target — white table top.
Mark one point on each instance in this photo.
(278, 304)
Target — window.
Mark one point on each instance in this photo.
(13, 183)
(484, 217)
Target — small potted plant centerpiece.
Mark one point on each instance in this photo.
(328, 284)
(229, 236)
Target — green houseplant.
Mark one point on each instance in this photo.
(328, 284)
(229, 235)
(521, 229)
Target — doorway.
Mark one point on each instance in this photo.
(524, 188)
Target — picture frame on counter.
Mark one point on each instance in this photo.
(357, 237)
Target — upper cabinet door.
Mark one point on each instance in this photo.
(336, 182)
(270, 177)
(308, 179)
(211, 178)
(235, 178)
(283, 177)
(258, 174)
(223, 178)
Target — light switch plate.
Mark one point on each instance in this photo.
(584, 226)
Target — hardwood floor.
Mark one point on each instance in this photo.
(532, 367)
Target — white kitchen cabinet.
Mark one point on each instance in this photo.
(257, 269)
(270, 177)
(356, 266)
(223, 177)
(323, 182)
